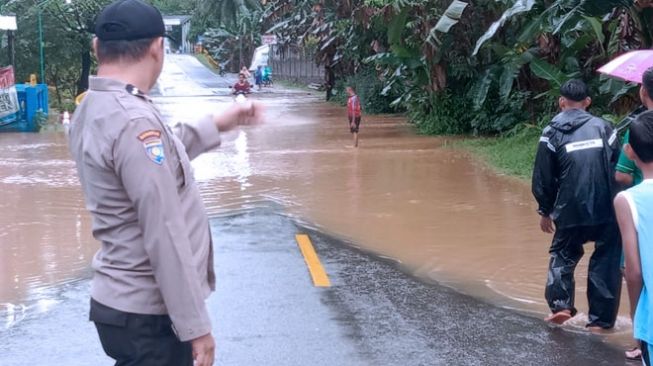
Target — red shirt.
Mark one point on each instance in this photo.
(354, 106)
(245, 87)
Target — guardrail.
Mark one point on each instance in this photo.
(33, 104)
(210, 58)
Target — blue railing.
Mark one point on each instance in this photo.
(32, 101)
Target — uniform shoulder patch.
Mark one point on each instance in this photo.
(149, 134)
(153, 145)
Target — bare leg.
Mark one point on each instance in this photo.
(355, 139)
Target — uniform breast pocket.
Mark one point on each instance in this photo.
(184, 169)
(187, 171)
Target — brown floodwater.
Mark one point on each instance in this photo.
(400, 195)
(412, 198)
(44, 228)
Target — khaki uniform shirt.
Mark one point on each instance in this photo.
(156, 253)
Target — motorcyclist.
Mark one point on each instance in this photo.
(242, 86)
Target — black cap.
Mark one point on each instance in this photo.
(128, 20)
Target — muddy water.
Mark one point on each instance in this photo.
(404, 196)
(400, 195)
(44, 229)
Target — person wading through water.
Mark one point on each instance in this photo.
(573, 183)
(353, 112)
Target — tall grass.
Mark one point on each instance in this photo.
(511, 153)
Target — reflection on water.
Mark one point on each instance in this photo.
(400, 195)
(44, 229)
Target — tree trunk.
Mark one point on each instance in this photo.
(439, 77)
(330, 81)
(55, 80)
(82, 84)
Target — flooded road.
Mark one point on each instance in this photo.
(407, 197)
(44, 228)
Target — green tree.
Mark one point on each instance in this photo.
(76, 21)
(67, 39)
(481, 66)
(232, 29)
(175, 7)
(226, 13)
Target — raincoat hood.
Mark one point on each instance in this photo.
(570, 120)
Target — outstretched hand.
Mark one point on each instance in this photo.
(239, 114)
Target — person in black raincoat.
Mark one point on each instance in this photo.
(574, 186)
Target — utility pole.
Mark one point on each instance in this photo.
(10, 48)
(8, 23)
(41, 48)
(241, 53)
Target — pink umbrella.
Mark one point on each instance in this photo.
(629, 66)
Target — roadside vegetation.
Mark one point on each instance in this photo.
(487, 69)
(484, 68)
(512, 153)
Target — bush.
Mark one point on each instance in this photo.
(511, 153)
(498, 116)
(370, 90)
(440, 114)
(452, 112)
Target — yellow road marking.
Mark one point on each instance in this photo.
(320, 278)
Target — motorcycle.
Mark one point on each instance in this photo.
(240, 96)
(267, 80)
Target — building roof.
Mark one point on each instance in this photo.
(176, 19)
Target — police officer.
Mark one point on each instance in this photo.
(573, 183)
(154, 269)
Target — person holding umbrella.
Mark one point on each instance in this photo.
(634, 66)
(633, 207)
(628, 174)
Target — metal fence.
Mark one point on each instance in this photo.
(295, 64)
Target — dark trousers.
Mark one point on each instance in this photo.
(357, 123)
(603, 279)
(646, 355)
(139, 340)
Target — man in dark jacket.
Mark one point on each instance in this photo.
(574, 186)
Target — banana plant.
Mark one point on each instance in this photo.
(565, 40)
(225, 13)
(519, 7)
(415, 62)
(554, 18)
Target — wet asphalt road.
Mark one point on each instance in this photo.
(266, 311)
(374, 314)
